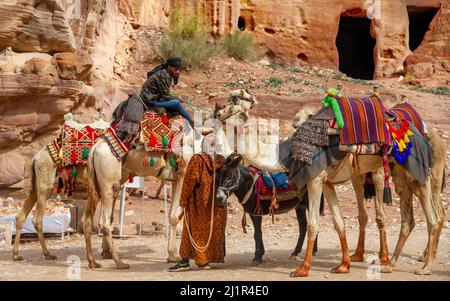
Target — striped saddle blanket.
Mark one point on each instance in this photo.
(364, 121)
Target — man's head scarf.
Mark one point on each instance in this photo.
(173, 61)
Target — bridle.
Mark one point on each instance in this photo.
(228, 190)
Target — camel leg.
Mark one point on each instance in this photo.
(174, 220)
(380, 216)
(357, 182)
(259, 245)
(20, 220)
(314, 191)
(161, 186)
(87, 220)
(406, 211)
(433, 224)
(107, 205)
(338, 221)
(37, 222)
(106, 252)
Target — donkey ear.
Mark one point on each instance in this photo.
(236, 160)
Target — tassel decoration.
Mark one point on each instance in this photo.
(172, 162)
(74, 172)
(130, 178)
(85, 153)
(152, 162)
(165, 141)
(165, 120)
(73, 156)
(387, 194)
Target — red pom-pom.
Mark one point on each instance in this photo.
(74, 156)
(153, 142)
(130, 178)
(165, 120)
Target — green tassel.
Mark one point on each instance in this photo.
(172, 162)
(152, 162)
(85, 153)
(74, 172)
(165, 141)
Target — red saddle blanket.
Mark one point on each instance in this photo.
(160, 133)
(76, 144)
(266, 193)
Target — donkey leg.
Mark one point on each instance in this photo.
(20, 220)
(338, 221)
(300, 211)
(380, 209)
(357, 182)
(259, 245)
(314, 191)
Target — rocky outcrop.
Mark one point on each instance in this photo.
(55, 57)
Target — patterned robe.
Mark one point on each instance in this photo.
(196, 197)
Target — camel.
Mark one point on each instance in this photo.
(107, 174)
(267, 158)
(43, 173)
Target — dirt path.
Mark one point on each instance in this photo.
(147, 254)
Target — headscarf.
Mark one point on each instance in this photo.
(173, 61)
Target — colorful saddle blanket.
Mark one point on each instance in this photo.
(404, 110)
(118, 148)
(267, 193)
(73, 146)
(364, 121)
(161, 134)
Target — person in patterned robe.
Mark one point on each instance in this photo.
(197, 199)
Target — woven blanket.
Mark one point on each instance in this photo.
(161, 134)
(54, 148)
(266, 193)
(406, 111)
(364, 120)
(310, 134)
(76, 144)
(118, 149)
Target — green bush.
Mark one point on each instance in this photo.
(186, 38)
(240, 45)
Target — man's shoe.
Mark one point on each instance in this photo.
(204, 267)
(180, 267)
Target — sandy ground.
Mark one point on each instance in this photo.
(147, 253)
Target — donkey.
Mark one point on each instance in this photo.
(234, 177)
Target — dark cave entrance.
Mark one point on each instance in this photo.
(419, 22)
(355, 47)
(241, 23)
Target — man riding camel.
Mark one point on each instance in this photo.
(155, 93)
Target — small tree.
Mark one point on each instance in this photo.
(240, 45)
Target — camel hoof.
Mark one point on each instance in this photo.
(107, 255)
(423, 272)
(122, 266)
(386, 269)
(50, 257)
(357, 258)
(94, 265)
(295, 257)
(17, 258)
(301, 272)
(422, 258)
(341, 269)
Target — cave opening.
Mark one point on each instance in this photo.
(419, 23)
(355, 46)
(241, 23)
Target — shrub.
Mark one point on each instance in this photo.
(186, 38)
(240, 45)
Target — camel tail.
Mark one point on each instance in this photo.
(92, 180)
(32, 196)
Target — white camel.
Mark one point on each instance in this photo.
(266, 158)
(43, 174)
(107, 174)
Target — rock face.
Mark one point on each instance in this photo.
(304, 31)
(55, 57)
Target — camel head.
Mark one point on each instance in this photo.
(303, 115)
